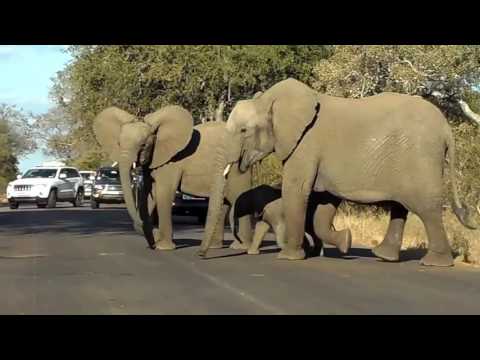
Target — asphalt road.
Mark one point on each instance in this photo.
(82, 261)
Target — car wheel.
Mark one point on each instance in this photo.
(94, 204)
(14, 205)
(78, 199)
(41, 206)
(52, 199)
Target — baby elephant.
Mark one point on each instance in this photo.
(265, 204)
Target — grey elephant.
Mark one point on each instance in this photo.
(264, 202)
(177, 155)
(384, 148)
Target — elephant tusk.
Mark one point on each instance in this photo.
(478, 209)
(227, 170)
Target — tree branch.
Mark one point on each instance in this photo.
(219, 112)
(408, 62)
(469, 113)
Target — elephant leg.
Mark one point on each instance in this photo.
(323, 220)
(151, 203)
(389, 249)
(244, 232)
(164, 195)
(296, 188)
(218, 236)
(261, 229)
(439, 250)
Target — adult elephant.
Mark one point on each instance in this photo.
(388, 147)
(177, 156)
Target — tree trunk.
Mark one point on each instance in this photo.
(219, 111)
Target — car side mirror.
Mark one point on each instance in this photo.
(62, 176)
(19, 176)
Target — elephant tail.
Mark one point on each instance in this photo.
(459, 208)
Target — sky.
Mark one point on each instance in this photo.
(25, 81)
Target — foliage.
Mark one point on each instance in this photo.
(141, 79)
(15, 141)
(269, 171)
(441, 73)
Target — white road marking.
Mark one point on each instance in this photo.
(223, 284)
(23, 256)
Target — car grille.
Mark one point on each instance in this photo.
(22, 187)
(113, 188)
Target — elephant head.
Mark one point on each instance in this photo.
(273, 121)
(151, 142)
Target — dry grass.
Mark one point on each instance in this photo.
(3, 199)
(369, 226)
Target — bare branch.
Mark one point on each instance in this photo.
(229, 92)
(405, 61)
(469, 112)
(219, 112)
(363, 87)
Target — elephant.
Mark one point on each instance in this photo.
(387, 148)
(264, 202)
(176, 155)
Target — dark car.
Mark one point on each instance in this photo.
(107, 188)
(185, 204)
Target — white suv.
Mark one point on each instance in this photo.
(45, 185)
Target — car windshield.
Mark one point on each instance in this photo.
(107, 174)
(40, 173)
(86, 176)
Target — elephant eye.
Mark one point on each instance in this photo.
(244, 130)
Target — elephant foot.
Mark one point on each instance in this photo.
(165, 245)
(138, 228)
(253, 252)
(437, 259)
(237, 245)
(216, 246)
(287, 254)
(387, 252)
(343, 240)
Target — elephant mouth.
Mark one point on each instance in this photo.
(243, 166)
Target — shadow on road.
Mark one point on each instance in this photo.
(79, 221)
(354, 253)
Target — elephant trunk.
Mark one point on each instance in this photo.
(217, 195)
(125, 165)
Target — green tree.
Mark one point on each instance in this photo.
(15, 141)
(140, 79)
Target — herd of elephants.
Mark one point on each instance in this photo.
(385, 149)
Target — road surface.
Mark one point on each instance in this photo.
(82, 261)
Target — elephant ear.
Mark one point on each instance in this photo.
(107, 126)
(174, 127)
(291, 107)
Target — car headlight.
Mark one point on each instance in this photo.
(41, 186)
(9, 186)
(98, 187)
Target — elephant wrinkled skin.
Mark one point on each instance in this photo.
(384, 148)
